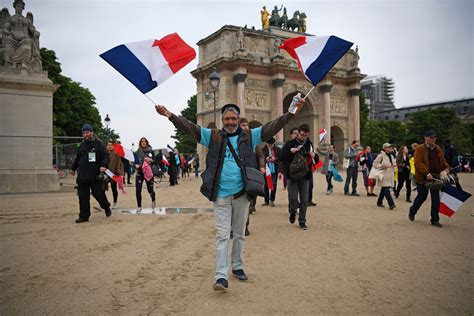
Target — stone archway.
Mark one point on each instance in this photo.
(306, 115)
(337, 139)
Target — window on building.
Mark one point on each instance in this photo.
(397, 117)
(387, 118)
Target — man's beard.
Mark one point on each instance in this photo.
(230, 128)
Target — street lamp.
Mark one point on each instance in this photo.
(215, 79)
(107, 121)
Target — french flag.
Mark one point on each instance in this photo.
(268, 177)
(125, 153)
(169, 149)
(117, 179)
(451, 199)
(164, 160)
(322, 133)
(149, 63)
(316, 55)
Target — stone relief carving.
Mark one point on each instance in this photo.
(259, 84)
(256, 98)
(255, 45)
(338, 102)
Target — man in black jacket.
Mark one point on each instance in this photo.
(298, 187)
(91, 160)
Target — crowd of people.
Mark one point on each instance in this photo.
(236, 149)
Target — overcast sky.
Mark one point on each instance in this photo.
(426, 47)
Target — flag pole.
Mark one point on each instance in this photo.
(149, 99)
(308, 93)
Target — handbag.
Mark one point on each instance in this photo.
(298, 167)
(376, 174)
(345, 163)
(254, 182)
(435, 184)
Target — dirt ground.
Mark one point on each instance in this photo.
(355, 258)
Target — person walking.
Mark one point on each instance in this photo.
(145, 154)
(386, 162)
(295, 155)
(293, 134)
(403, 164)
(430, 164)
(230, 150)
(366, 160)
(271, 152)
(116, 166)
(331, 158)
(352, 168)
(90, 162)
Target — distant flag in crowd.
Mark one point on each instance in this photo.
(125, 153)
(268, 178)
(451, 199)
(149, 63)
(147, 172)
(169, 148)
(116, 178)
(316, 55)
(322, 134)
(164, 160)
(336, 174)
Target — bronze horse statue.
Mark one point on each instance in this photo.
(297, 22)
(283, 21)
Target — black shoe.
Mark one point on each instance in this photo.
(240, 274)
(292, 217)
(411, 217)
(311, 203)
(409, 201)
(247, 232)
(108, 212)
(392, 206)
(265, 204)
(221, 285)
(81, 220)
(346, 193)
(437, 224)
(380, 205)
(303, 226)
(355, 194)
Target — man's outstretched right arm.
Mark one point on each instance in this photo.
(181, 123)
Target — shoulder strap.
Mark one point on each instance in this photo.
(231, 148)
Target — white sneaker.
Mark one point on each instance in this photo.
(153, 204)
(139, 209)
(114, 206)
(328, 192)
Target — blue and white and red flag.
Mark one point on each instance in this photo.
(116, 178)
(164, 160)
(125, 153)
(322, 134)
(169, 149)
(149, 63)
(268, 177)
(316, 55)
(451, 199)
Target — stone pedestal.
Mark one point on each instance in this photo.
(26, 129)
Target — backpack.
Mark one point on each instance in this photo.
(298, 167)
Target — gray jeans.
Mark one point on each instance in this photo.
(228, 210)
(351, 173)
(298, 189)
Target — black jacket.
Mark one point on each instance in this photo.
(266, 154)
(87, 172)
(286, 156)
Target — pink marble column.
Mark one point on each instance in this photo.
(354, 100)
(239, 79)
(278, 84)
(325, 90)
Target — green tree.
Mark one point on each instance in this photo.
(184, 142)
(441, 120)
(364, 112)
(375, 134)
(73, 105)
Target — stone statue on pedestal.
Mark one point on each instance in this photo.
(19, 45)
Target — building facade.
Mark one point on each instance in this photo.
(378, 92)
(262, 80)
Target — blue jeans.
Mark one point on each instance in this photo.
(420, 199)
(385, 193)
(329, 180)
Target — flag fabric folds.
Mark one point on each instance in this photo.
(268, 177)
(147, 64)
(316, 55)
(335, 173)
(116, 178)
(322, 133)
(165, 161)
(125, 153)
(147, 172)
(451, 199)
